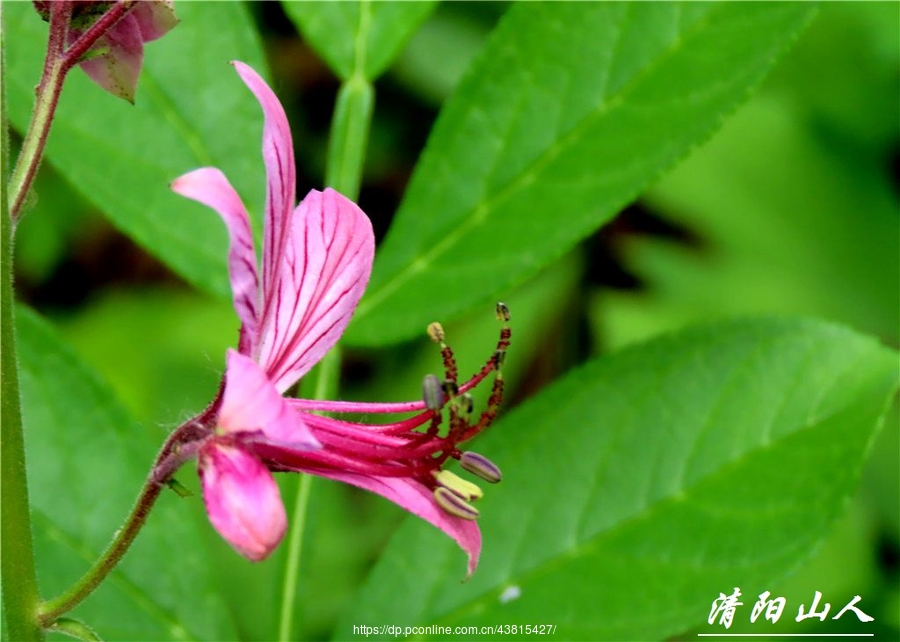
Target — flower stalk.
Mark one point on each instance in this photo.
(58, 62)
(50, 611)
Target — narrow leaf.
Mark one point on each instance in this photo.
(358, 37)
(645, 483)
(568, 113)
(87, 462)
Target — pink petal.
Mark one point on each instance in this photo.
(324, 272)
(278, 155)
(418, 500)
(209, 186)
(154, 18)
(118, 69)
(250, 403)
(242, 500)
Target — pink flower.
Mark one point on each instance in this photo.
(316, 263)
(114, 61)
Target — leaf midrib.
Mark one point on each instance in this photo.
(420, 262)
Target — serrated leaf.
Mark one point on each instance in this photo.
(643, 484)
(358, 37)
(87, 461)
(122, 157)
(791, 199)
(568, 113)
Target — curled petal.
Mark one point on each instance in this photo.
(250, 403)
(323, 273)
(242, 500)
(209, 186)
(278, 155)
(419, 500)
(118, 67)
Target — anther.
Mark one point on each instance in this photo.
(452, 503)
(462, 487)
(432, 392)
(498, 358)
(480, 466)
(502, 311)
(436, 332)
(450, 387)
(467, 403)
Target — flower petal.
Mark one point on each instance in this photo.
(418, 500)
(324, 272)
(118, 68)
(209, 186)
(250, 403)
(278, 155)
(242, 500)
(154, 18)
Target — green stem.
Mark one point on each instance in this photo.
(50, 610)
(178, 448)
(346, 153)
(295, 551)
(325, 375)
(20, 599)
(349, 135)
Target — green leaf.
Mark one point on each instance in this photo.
(87, 462)
(122, 157)
(568, 113)
(643, 484)
(793, 202)
(358, 38)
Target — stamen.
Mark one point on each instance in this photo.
(452, 482)
(480, 466)
(490, 413)
(432, 392)
(452, 503)
(502, 311)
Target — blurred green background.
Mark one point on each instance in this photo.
(792, 208)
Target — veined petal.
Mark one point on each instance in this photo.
(278, 155)
(209, 186)
(250, 403)
(419, 500)
(242, 500)
(324, 272)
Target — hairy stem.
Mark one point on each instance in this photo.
(20, 599)
(50, 611)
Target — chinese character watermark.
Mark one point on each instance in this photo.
(724, 607)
